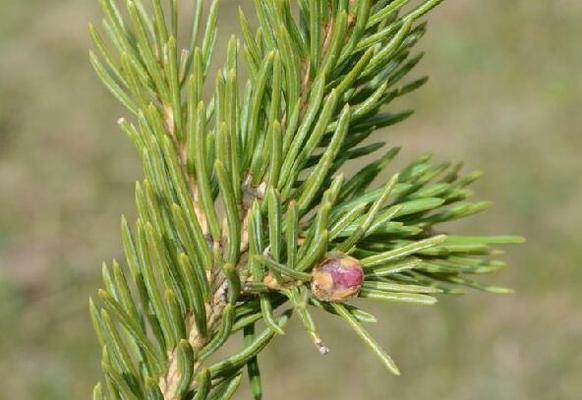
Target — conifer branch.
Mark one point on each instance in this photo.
(244, 209)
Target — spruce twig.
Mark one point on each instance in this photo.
(244, 209)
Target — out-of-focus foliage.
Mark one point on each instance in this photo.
(502, 96)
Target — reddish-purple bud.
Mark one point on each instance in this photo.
(337, 278)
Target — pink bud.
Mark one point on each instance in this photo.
(337, 278)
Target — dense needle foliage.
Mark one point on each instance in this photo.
(244, 194)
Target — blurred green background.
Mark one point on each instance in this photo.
(505, 96)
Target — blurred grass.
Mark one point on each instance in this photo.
(504, 95)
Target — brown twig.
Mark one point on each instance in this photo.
(169, 382)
